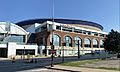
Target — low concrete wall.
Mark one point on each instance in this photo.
(28, 47)
(3, 45)
(12, 46)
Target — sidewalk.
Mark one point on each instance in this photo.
(79, 69)
(4, 58)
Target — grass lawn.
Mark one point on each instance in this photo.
(83, 62)
(109, 68)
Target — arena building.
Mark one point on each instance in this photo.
(66, 34)
(13, 41)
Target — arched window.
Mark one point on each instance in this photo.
(87, 42)
(67, 41)
(76, 41)
(95, 43)
(101, 44)
(56, 40)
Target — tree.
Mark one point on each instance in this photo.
(112, 42)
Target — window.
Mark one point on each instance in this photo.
(87, 42)
(44, 27)
(67, 29)
(38, 30)
(101, 35)
(77, 30)
(84, 32)
(56, 40)
(25, 51)
(41, 41)
(76, 41)
(1, 36)
(95, 33)
(7, 27)
(89, 33)
(14, 38)
(67, 41)
(95, 43)
(58, 27)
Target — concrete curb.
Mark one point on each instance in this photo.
(77, 69)
(62, 69)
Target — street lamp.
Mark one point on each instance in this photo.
(52, 46)
(52, 51)
(62, 53)
(24, 53)
(78, 44)
(78, 49)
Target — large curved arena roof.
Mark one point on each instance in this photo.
(63, 21)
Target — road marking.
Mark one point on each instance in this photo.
(34, 70)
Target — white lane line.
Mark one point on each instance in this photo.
(34, 70)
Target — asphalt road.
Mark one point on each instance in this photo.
(21, 66)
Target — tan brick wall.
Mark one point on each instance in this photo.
(62, 34)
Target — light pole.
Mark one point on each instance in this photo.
(52, 46)
(52, 50)
(24, 53)
(77, 42)
(62, 54)
(78, 49)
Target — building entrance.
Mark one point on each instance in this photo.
(3, 52)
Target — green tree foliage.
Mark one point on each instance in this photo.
(112, 42)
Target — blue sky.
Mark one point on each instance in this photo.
(104, 12)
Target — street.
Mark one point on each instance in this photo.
(21, 65)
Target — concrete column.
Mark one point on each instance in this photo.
(11, 46)
(61, 29)
(36, 50)
(98, 43)
(47, 51)
(61, 41)
(91, 43)
(25, 38)
(40, 49)
(72, 29)
(83, 43)
(72, 39)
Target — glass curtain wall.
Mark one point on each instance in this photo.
(14, 38)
